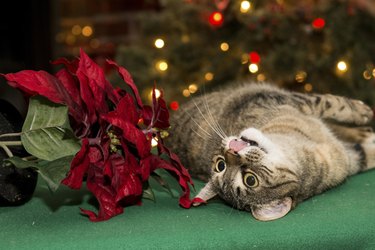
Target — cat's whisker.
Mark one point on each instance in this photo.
(209, 124)
(199, 126)
(214, 122)
(204, 137)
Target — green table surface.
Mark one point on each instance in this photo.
(342, 218)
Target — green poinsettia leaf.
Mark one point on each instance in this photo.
(53, 172)
(162, 183)
(147, 192)
(46, 132)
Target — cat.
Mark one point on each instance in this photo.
(283, 147)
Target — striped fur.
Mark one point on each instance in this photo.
(278, 147)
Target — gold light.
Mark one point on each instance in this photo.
(224, 46)
(245, 6)
(253, 68)
(76, 30)
(186, 93)
(161, 65)
(157, 93)
(209, 76)
(301, 76)
(193, 88)
(308, 87)
(261, 77)
(87, 31)
(159, 43)
(366, 75)
(342, 66)
(154, 142)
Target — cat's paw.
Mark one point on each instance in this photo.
(362, 114)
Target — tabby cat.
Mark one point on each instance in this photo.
(263, 149)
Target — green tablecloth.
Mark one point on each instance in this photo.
(342, 218)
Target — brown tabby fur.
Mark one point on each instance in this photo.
(287, 146)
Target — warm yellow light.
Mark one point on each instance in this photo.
(186, 93)
(342, 66)
(157, 93)
(245, 6)
(261, 77)
(224, 46)
(366, 75)
(159, 43)
(301, 76)
(87, 31)
(76, 30)
(185, 38)
(209, 76)
(253, 68)
(193, 88)
(162, 65)
(154, 142)
(308, 87)
(373, 72)
(70, 39)
(217, 17)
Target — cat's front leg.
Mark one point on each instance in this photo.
(341, 109)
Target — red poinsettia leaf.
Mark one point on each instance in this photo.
(37, 82)
(175, 160)
(130, 133)
(97, 80)
(104, 193)
(156, 116)
(147, 115)
(71, 66)
(127, 110)
(78, 167)
(125, 179)
(125, 75)
(153, 162)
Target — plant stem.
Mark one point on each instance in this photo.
(7, 151)
(11, 134)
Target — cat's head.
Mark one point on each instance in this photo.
(253, 173)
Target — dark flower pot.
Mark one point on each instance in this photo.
(16, 185)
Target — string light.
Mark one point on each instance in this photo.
(193, 88)
(159, 43)
(253, 68)
(318, 23)
(154, 142)
(261, 77)
(373, 72)
(224, 46)
(161, 65)
(76, 30)
(245, 6)
(216, 19)
(186, 93)
(367, 75)
(209, 76)
(157, 93)
(87, 31)
(342, 66)
(254, 57)
(174, 105)
(308, 87)
(301, 76)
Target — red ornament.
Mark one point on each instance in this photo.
(216, 19)
(318, 23)
(174, 105)
(254, 57)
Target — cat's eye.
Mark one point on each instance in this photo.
(250, 180)
(220, 165)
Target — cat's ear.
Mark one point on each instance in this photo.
(206, 193)
(273, 210)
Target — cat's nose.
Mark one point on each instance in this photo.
(237, 145)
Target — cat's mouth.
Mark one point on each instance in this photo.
(236, 145)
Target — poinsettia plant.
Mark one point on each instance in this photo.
(79, 128)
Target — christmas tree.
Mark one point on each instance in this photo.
(310, 45)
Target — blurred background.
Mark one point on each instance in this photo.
(188, 47)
